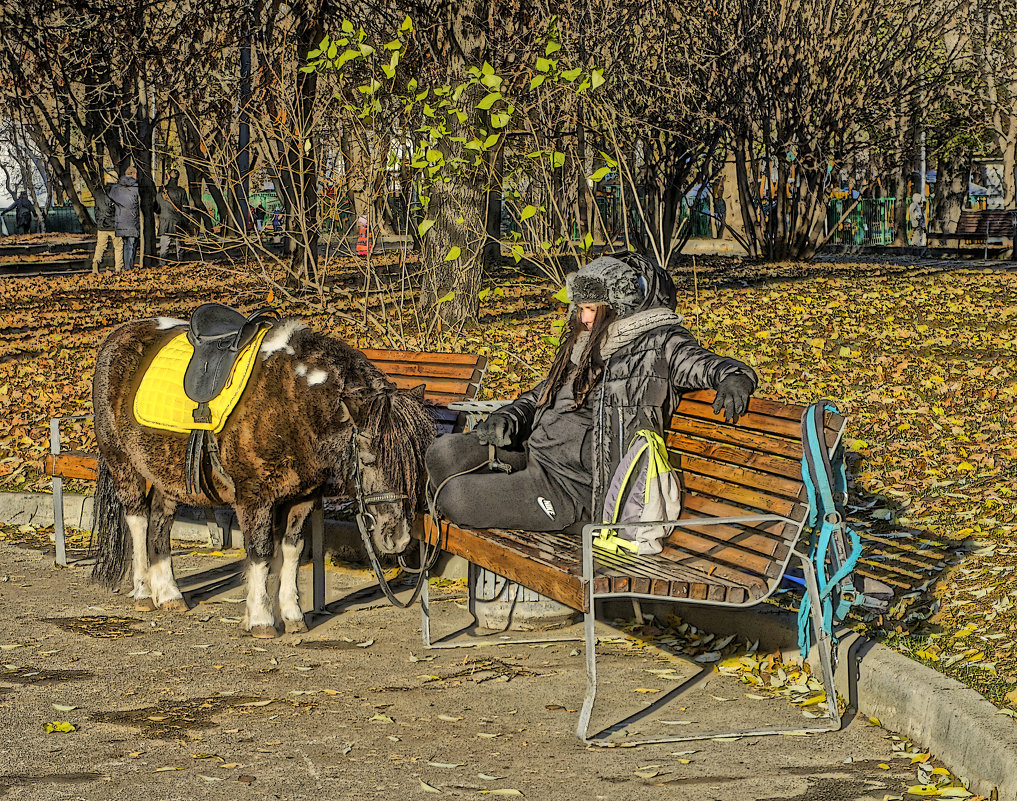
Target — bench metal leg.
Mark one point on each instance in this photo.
(466, 637)
(59, 533)
(830, 722)
(318, 554)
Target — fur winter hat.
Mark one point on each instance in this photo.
(606, 280)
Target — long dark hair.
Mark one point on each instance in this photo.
(591, 363)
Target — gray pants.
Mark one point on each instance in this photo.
(527, 498)
(164, 245)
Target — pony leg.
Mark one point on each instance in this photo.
(292, 545)
(257, 526)
(165, 593)
(137, 524)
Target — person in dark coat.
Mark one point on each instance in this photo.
(127, 214)
(105, 222)
(170, 208)
(623, 367)
(24, 211)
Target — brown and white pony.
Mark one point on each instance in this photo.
(315, 410)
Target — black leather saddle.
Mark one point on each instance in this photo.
(218, 334)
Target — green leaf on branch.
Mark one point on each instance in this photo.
(557, 159)
(527, 212)
(552, 47)
(587, 241)
(347, 26)
(489, 100)
(483, 293)
(412, 86)
(610, 161)
(388, 70)
(332, 51)
(367, 50)
(453, 254)
(445, 299)
(597, 77)
(499, 119)
(491, 82)
(314, 53)
(395, 44)
(407, 25)
(517, 253)
(600, 174)
(554, 342)
(536, 81)
(571, 75)
(562, 295)
(543, 65)
(491, 141)
(424, 227)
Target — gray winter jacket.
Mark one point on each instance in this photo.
(105, 211)
(170, 207)
(127, 211)
(642, 384)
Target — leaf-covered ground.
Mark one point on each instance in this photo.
(920, 357)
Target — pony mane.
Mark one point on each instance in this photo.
(400, 428)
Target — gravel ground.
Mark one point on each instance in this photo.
(186, 706)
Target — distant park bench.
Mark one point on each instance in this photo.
(981, 225)
(745, 507)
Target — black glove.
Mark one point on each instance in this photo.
(495, 430)
(733, 396)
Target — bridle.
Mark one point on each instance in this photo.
(366, 522)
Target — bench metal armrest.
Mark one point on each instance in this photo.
(476, 411)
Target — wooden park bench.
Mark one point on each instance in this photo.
(447, 378)
(745, 507)
(981, 225)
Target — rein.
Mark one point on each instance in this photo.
(366, 523)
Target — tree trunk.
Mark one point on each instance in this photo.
(951, 190)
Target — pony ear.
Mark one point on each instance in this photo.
(417, 392)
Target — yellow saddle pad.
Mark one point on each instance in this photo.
(161, 401)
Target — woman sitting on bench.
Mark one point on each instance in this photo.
(623, 367)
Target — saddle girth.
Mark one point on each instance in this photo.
(218, 334)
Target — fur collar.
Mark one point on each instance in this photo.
(621, 332)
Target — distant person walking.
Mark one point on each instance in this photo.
(127, 214)
(105, 221)
(24, 211)
(916, 222)
(170, 207)
(259, 218)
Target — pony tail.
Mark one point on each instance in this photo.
(109, 529)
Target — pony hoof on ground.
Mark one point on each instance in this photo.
(296, 626)
(144, 605)
(263, 632)
(174, 605)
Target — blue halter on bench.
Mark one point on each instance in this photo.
(218, 334)
(835, 548)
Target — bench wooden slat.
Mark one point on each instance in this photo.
(781, 426)
(763, 406)
(73, 464)
(737, 437)
(742, 496)
(752, 479)
(459, 372)
(380, 357)
(487, 549)
(433, 386)
(730, 454)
